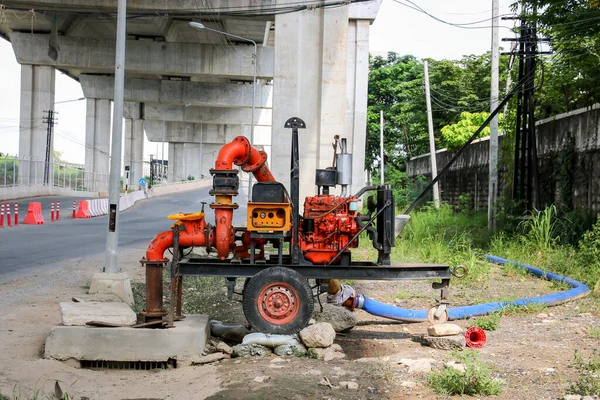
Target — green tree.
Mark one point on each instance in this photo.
(396, 87)
(570, 78)
(457, 134)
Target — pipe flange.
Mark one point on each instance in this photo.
(220, 206)
(258, 164)
(144, 262)
(360, 301)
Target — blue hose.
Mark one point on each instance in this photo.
(578, 289)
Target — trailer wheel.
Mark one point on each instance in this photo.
(278, 300)
(437, 320)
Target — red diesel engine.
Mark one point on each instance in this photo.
(328, 225)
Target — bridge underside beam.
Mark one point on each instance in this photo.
(97, 55)
(139, 6)
(210, 115)
(204, 94)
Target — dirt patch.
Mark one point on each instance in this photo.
(521, 350)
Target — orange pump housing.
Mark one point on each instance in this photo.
(334, 226)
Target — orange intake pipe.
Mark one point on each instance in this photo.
(241, 153)
(194, 234)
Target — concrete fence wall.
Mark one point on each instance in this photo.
(568, 158)
(21, 192)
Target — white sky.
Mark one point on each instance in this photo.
(397, 28)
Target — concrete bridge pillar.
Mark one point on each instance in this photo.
(37, 96)
(310, 83)
(176, 171)
(357, 78)
(97, 144)
(134, 149)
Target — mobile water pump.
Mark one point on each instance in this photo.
(277, 296)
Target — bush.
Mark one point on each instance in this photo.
(488, 322)
(476, 379)
(589, 379)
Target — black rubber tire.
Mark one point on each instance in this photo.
(269, 276)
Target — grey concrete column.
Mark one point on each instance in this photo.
(192, 160)
(37, 96)
(133, 155)
(357, 79)
(137, 152)
(310, 83)
(97, 143)
(176, 171)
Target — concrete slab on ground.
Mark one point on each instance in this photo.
(187, 339)
(77, 314)
(112, 283)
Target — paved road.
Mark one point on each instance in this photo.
(27, 249)
(66, 205)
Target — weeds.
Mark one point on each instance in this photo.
(487, 322)
(589, 379)
(404, 295)
(540, 228)
(593, 332)
(529, 308)
(476, 379)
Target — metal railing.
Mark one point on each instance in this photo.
(28, 171)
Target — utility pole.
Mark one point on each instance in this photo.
(436, 191)
(526, 189)
(381, 146)
(112, 237)
(493, 162)
(48, 119)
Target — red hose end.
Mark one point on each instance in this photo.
(475, 337)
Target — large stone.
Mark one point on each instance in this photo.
(187, 339)
(118, 283)
(339, 317)
(330, 353)
(320, 334)
(417, 366)
(112, 313)
(444, 330)
(456, 342)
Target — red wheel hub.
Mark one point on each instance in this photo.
(278, 303)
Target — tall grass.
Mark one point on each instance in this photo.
(445, 236)
(541, 227)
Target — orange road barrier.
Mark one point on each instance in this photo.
(83, 210)
(2, 215)
(52, 212)
(8, 219)
(16, 214)
(34, 214)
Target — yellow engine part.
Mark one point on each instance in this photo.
(186, 217)
(269, 216)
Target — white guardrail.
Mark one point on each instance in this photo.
(99, 207)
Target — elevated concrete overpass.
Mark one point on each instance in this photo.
(194, 87)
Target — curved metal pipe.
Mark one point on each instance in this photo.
(194, 234)
(241, 153)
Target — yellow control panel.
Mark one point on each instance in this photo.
(269, 216)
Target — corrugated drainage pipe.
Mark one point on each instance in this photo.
(577, 290)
